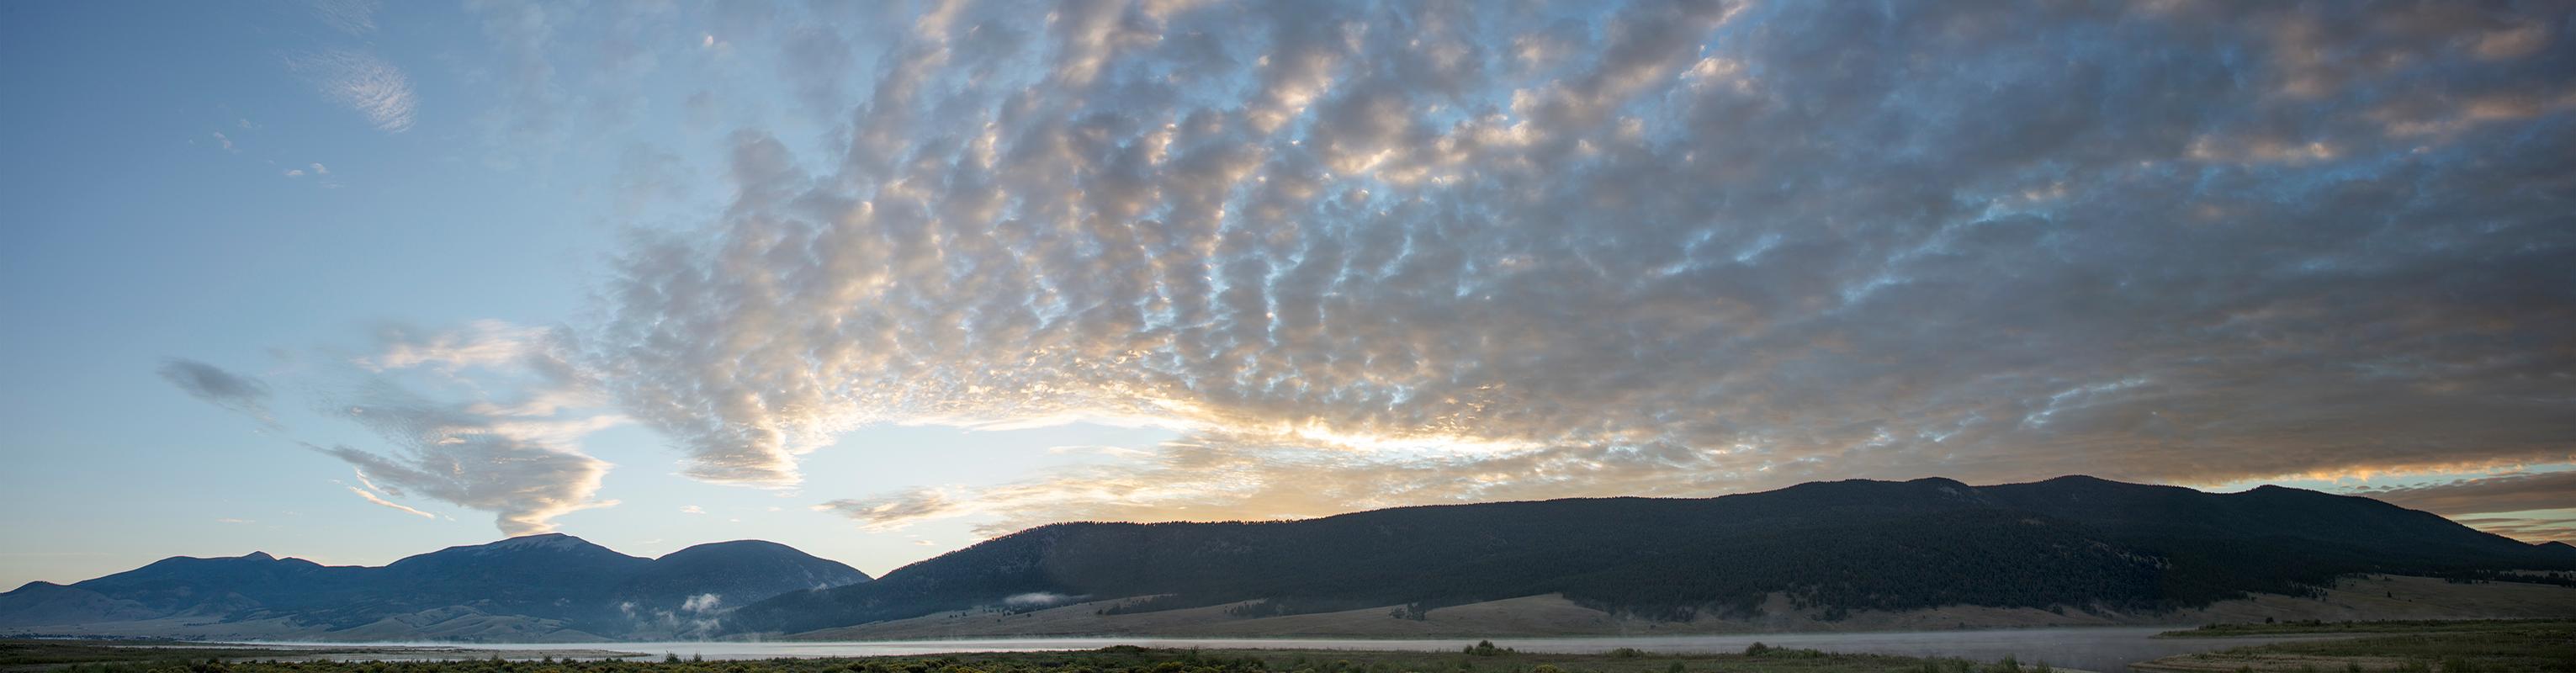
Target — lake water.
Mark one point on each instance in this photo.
(2107, 649)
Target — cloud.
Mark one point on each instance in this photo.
(1364, 255)
(489, 417)
(2541, 526)
(532, 101)
(517, 458)
(374, 88)
(482, 343)
(225, 141)
(897, 511)
(355, 17)
(213, 385)
(693, 509)
(372, 497)
(2481, 495)
(1037, 599)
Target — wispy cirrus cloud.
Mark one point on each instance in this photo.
(364, 83)
(370, 496)
(355, 17)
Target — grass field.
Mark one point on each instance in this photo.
(2383, 626)
(103, 658)
(16, 653)
(2405, 647)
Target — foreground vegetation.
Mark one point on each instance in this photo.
(63, 658)
(2374, 626)
(2503, 646)
(16, 653)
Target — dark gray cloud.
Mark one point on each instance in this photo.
(221, 388)
(2523, 492)
(2535, 529)
(1379, 254)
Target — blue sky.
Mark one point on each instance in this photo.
(348, 280)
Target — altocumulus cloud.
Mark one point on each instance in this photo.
(1364, 254)
(1369, 254)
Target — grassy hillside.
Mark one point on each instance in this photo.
(1838, 547)
(2451, 647)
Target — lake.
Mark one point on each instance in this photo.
(2108, 649)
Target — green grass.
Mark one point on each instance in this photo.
(1109, 660)
(28, 653)
(2455, 647)
(2387, 626)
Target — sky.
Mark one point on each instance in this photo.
(349, 280)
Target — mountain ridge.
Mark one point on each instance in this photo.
(1813, 553)
(536, 586)
(2073, 542)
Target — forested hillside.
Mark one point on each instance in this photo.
(2072, 542)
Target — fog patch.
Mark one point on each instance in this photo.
(1037, 599)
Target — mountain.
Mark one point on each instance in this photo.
(536, 587)
(1832, 547)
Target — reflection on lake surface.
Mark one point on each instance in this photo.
(2108, 649)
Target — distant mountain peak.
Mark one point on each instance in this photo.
(548, 585)
(541, 541)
